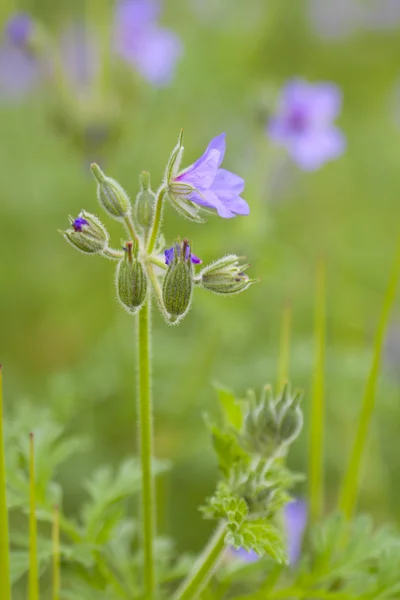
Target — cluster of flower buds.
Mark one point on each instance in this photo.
(141, 267)
(272, 423)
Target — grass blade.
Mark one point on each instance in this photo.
(33, 576)
(316, 475)
(5, 584)
(284, 348)
(349, 491)
(56, 554)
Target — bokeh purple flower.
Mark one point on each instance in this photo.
(214, 188)
(304, 123)
(19, 29)
(175, 252)
(295, 522)
(139, 39)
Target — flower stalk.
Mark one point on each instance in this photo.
(204, 568)
(5, 584)
(145, 411)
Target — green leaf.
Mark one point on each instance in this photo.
(232, 408)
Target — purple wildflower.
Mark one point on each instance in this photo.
(295, 522)
(19, 73)
(304, 123)
(213, 187)
(153, 50)
(79, 223)
(19, 29)
(175, 252)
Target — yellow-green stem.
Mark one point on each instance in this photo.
(204, 568)
(5, 584)
(348, 497)
(145, 410)
(155, 227)
(284, 348)
(316, 475)
(56, 555)
(33, 575)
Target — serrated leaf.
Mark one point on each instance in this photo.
(232, 408)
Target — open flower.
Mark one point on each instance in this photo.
(205, 184)
(304, 123)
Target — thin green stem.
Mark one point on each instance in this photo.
(5, 584)
(33, 576)
(155, 227)
(56, 554)
(349, 492)
(157, 290)
(204, 567)
(316, 475)
(284, 348)
(156, 261)
(113, 254)
(145, 410)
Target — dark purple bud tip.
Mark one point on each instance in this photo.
(177, 251)
(79, 223)
(19, 29)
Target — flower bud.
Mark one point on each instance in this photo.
(174, 160)
(131, 282)
(289, 417)
(144, 206)
(111, 195)
(225, 276)
(178, 280)
(87, 233)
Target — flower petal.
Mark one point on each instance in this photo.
(133, 14)
(195, 259)
(295, 514)
(218, 143)
(19, 73)
(202, 173)
(169, 255)
(211, 200)
(227, 184)
(311, 151)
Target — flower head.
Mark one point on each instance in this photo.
(19, 29)
(79, 223)
(205, 184)
(177, 251)
(153, 50)
(295, 522)
(304, 123)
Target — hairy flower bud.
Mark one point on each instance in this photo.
(87, 233)
(289, 416)
(178, 280)
(225, 276)
(174, 160)
(131, 282)
(111, 195)
(144, 205)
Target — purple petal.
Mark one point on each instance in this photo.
(19, 29)
(248, 556)
(211, 200)
(311, 151)
(295, 514)
(326, 101)
(203, 172)
(227, 184)
(169, 255)
(19, 73)
(218, 143)
(195, 259)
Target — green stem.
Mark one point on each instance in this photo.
(146, 448)
(33, 576)
(157, 261)
(56, 555)
(204, 567)
(157, 291)
(5, 584)
(113, 254)
(284, 348)
(348, 496)
(317, 401)
(155, 227)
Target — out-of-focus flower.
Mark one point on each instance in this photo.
(295, 522)
(204, 183)
(339, 19)
(304, 123)
(80, 56)
(139, 39)
(19, 68)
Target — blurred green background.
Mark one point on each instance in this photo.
(66, 344)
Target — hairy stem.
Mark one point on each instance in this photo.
(204, 567)
(146, 448)
(5, 584)
(155, 227)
